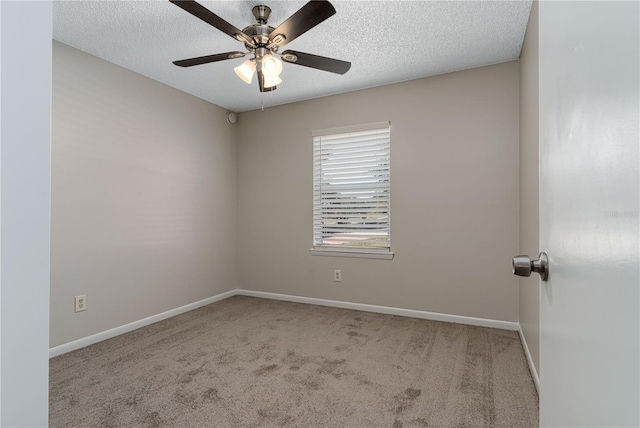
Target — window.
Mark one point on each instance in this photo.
(351, 191)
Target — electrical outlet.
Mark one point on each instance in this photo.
(80, 303)
(337, 276)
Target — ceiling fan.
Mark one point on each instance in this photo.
(263, 42)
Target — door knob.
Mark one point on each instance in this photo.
(523, 266)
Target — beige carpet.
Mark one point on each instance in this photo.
(248, 362)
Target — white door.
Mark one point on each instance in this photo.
(589, 195)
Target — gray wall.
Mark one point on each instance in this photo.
(529, 195)
(157, 202)
(25, 155)
(144, 192)
(455, 196)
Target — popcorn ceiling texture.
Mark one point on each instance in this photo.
(386, 42)
(248, 362)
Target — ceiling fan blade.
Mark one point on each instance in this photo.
(314, 61)
(307, 17)
(261, 83)
(208, 58)
(211, 18)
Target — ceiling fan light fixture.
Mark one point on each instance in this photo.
(270, 82)
(246, 70)
(271, 66)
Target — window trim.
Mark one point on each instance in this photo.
(330, 252)
(322, 250)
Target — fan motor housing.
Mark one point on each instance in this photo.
(259, 33)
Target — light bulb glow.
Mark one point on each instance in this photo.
(271, 66)
(246, 70)
(270, 82)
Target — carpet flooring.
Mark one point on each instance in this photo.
(249, 362)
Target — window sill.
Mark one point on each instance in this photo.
(347, 253)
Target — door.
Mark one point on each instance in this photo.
(589, 194)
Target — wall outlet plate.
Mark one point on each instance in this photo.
(80, 303)
(337, 275)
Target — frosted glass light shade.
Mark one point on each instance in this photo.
(246, 70)
(271, 81)
(271, 66)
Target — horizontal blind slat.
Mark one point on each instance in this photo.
(369, 162)
(374, 166)
(351, 141)
(378, 157)
(355, 188)
(328, 151)
(347, 210)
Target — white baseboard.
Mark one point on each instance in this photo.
(532, 367)
(108, 334)
(482, 322)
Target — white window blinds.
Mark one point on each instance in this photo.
(351, 188)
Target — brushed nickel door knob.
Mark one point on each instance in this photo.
(523, 266)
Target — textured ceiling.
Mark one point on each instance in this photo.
(386, 42)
